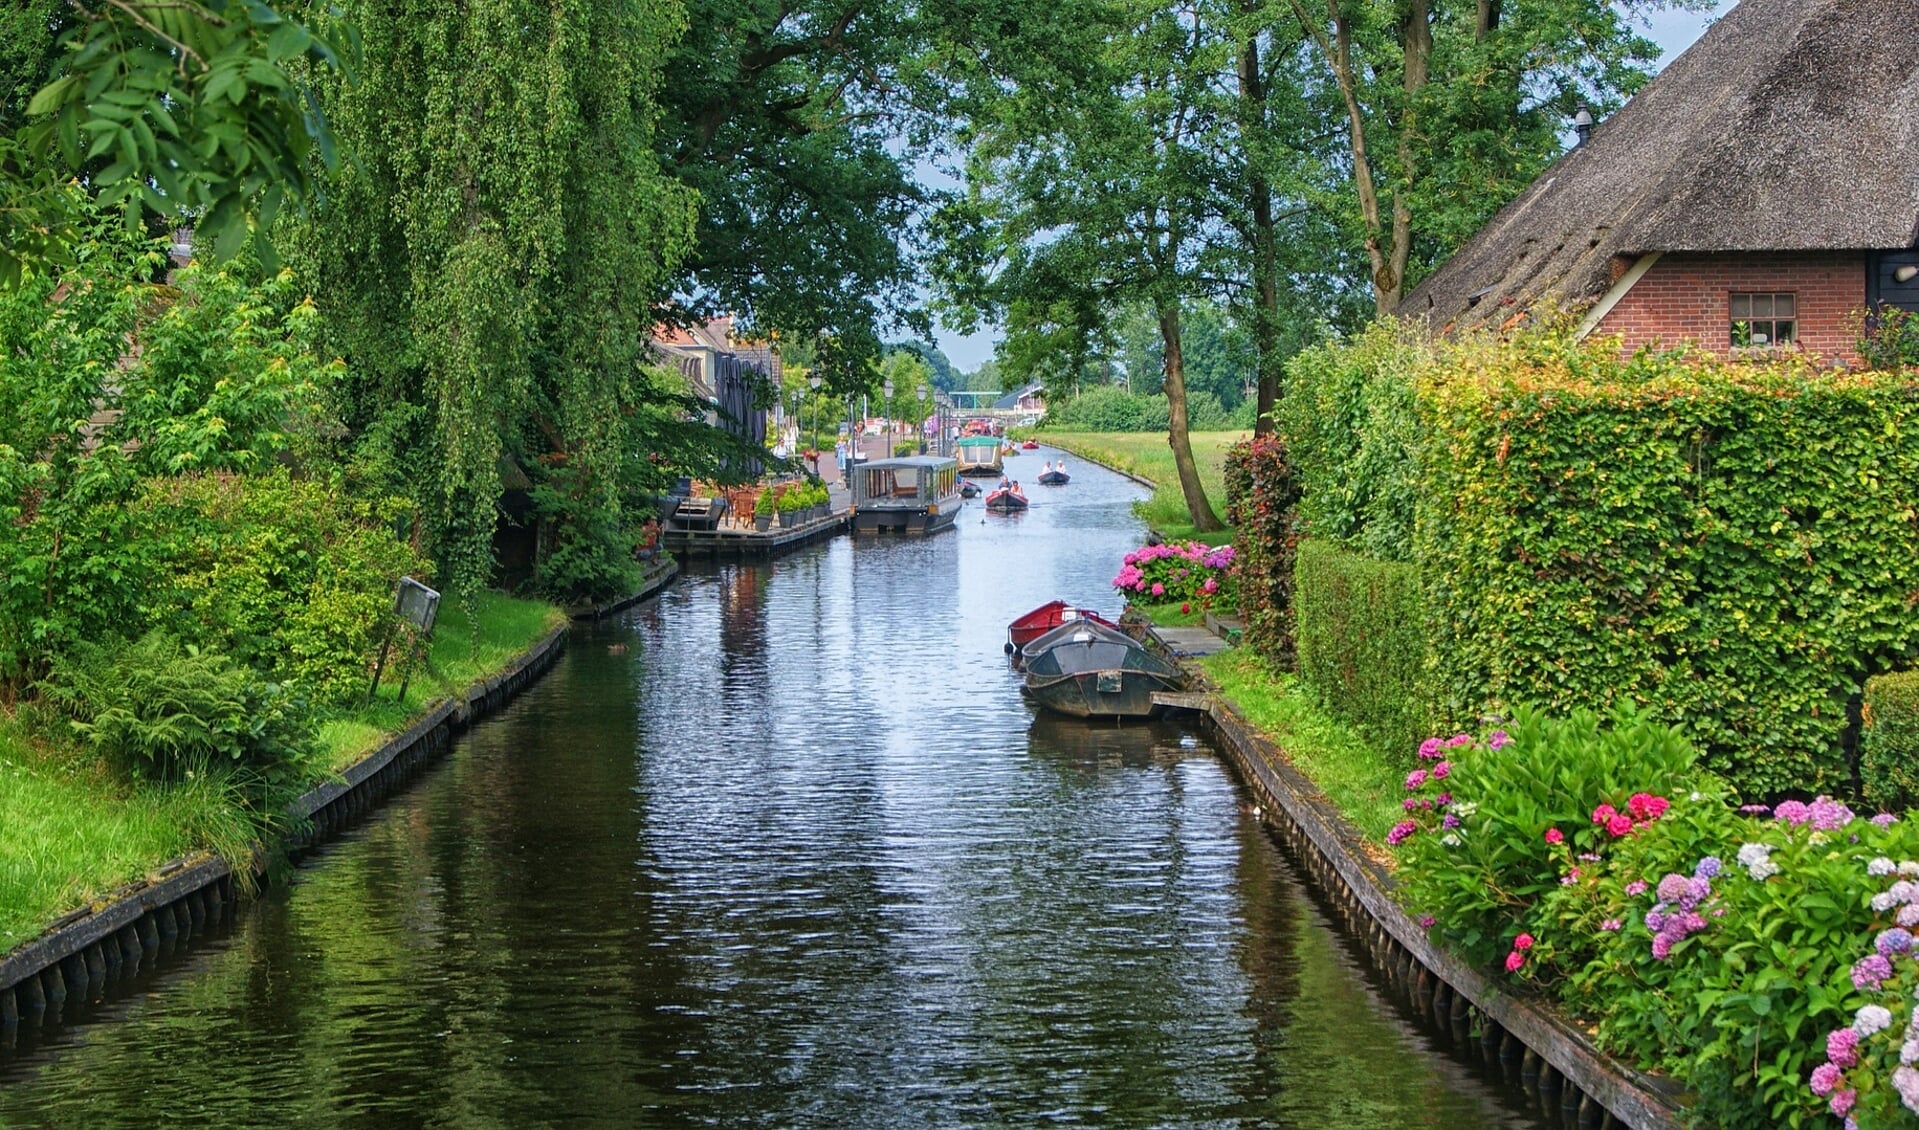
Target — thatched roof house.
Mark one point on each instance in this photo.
(1760, 191)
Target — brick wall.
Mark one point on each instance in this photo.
(1683, 298)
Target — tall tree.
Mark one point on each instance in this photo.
(491, 256)
(1088, 195)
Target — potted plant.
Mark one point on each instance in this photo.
(789, 506)
(763, 511)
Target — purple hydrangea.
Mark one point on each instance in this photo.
(1636, 888)
(1824, 1078)
(1792, 812)
(1842, 1047)
(1672, 888)
(1870, 970)
(1661, 947)
(1828, 815)
(1707, 868)
(1895, 940)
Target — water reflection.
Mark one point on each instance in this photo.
(786, 848)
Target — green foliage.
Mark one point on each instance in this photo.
(158, 707)
(1891, 340)
(1106, 408)
(1487, 876)
(1889, 741)
(1351, 425)
(1733, 546)
(491, 263)
(180, 108)
(1361, 630)
(293, 576)
(1262, 499)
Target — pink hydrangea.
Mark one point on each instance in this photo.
(1619, 824)
(1842, 1047)
(1514, 960)
(1555, 836)
(1825, 1077)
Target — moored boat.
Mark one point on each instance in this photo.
(914, 494)
(1088, 670)
(1005, 500)
(969, 489)
(1044, 619)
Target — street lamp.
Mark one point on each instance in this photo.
(887, 390)
(813, 383)
(919, 415)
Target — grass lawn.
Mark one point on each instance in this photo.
(72, 830)
(1147, 455)
(1169, 615)
(1365, 784)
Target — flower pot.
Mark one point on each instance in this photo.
(762, 522)
(789, 519)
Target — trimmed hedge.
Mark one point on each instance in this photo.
(1889, 741)
(1733, 546)
(1361, 629)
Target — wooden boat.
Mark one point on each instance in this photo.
(1088, 670)
(1054, 478)
(978, 455)
(969, 489)
(1031, 445)
(914, 494)
(1044, 619)
(1005, 500)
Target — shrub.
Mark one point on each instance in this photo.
(1361, 630)
(162, 709)
(1102, 408)
(1889, 339)
(1889, 741)
(1179, 572)
(1496, 825)
(1725, 543)
(1262, 494)
(293, 576)
(1350, 422)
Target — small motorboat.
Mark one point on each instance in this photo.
(1044, 619)
(1088, 670)
(1054, 477)
(1031, 445)
(1005, 500)
(969, 489)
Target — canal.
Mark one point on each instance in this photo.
(784, 847)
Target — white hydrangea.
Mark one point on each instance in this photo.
(1908, 916)
(1450, 839)
(1909, 868)
(1757, 860)
(1871, 1020)
(1882, 902)
(1880, 866)
(1905, 1080)
(1909, 1052)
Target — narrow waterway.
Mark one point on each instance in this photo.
(786, 848)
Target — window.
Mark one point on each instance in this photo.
(1763, 319)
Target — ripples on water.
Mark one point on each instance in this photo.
(798, 856)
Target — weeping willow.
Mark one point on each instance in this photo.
(488, 255)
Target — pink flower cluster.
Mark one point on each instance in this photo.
(1183, 571)
(1894, 950)
(1679, 913)
(1434, 750)
(1642, 808)
(1517, 957)
(1824, 814)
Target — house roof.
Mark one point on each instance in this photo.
(1012, 399)
(1790, 125)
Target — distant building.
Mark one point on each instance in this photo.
(1759, 193)
(732, 377)
(1032, 398)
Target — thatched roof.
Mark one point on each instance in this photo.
(1790, 125)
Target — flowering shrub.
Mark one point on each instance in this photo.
(1262, 495)
(1184, 571)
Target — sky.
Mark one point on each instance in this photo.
(1673, 31)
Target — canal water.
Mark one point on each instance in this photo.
(785, 848)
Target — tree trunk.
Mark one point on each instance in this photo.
(1197, 504)
(1252, 103)
(1416, 40)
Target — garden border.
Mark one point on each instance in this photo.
(89, 952)
(1554, 1060)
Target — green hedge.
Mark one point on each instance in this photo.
(1361, 630)
(1732, 545)
(1889, 741)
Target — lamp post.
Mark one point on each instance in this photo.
(887, 390)
(813, 384)
(919, 415)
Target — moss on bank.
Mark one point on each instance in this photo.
(72, 831)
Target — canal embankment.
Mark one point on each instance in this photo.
(106, 937)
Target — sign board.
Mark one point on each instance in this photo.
(416, 604)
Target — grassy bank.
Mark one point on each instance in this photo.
(1147, 455)
(1362, 782)
(72, 830)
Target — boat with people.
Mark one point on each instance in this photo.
(969, 489)
(978, 455)
(1044, 619)
(1088, 670)
(913, 494)
(1054, 475)
(1030, 445)
(1006, 498)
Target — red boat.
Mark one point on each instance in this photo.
(1031, 445)
(1044, 619)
